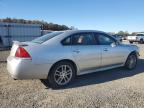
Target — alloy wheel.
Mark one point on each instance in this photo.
(132, 61)
(63, 74)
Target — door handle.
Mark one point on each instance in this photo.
(76, 51)
(105, 49)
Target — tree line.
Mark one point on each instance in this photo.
(45, 25)
(55, 27)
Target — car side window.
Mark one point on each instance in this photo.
(66, 41)
(105, 39)
(83, 39)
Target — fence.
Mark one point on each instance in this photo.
(20, 32)
(10, 32)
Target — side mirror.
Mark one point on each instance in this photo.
(114, 44)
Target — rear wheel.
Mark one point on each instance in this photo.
(61, 74)
(131, 61)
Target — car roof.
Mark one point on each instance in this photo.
(80, 31)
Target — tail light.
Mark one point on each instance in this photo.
(22, 53)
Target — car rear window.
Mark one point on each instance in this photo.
(46, 37)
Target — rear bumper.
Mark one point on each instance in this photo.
(26, 69)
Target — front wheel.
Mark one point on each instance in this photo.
(141, 41)
(131, 61)
(61, 74)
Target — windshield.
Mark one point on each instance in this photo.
(46, 37)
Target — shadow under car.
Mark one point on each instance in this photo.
(103, 76)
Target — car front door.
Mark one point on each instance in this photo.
(112, 53)
(86, 52)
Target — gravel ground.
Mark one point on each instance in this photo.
(4, 55)
(107, 89)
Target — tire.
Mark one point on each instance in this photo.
(141, 41)
(131, 61)
(0, 44)
(57, 78)
(131, 42)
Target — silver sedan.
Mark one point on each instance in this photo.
(62, 55)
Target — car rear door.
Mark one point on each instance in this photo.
(86, 52)
(112, 54)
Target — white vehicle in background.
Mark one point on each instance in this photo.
(138, 38)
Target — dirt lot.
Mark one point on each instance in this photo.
(112, 88)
